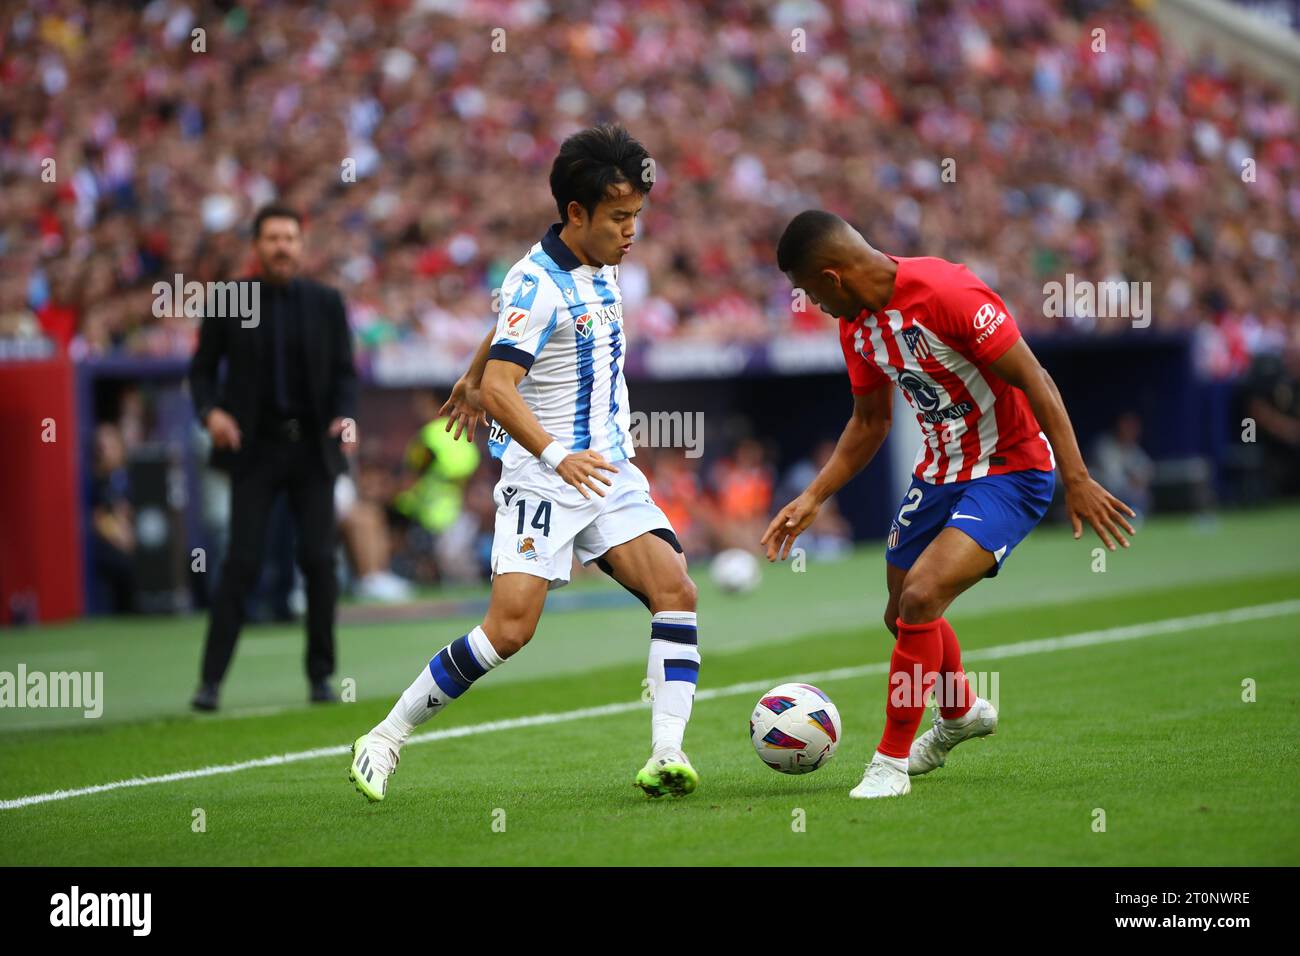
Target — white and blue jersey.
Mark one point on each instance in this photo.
(563, 322)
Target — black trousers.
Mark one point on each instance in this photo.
(294, 467)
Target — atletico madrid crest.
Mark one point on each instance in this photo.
(914, 336)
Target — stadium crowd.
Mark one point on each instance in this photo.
(417, 141)
(416, 135)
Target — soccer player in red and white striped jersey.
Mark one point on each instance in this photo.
(995, 431)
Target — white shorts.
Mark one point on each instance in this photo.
(542, 520)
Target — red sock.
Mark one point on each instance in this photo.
(918, 652)
(952, 679)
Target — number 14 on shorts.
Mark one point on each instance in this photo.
(541, 517)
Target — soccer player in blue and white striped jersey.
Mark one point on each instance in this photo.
(551, 377)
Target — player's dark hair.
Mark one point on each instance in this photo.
(274, 211)
(803, 237)
(592, 161)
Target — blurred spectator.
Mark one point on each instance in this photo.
(481, 507)
(743, 484)
(1272, 400)
(17, 320)
(440, 466)
(1283, 13)
(1126, 165)
(58, 315)
(829, 536)
(364, 530)
(676, 488)
(112, 522)
(1121, 466)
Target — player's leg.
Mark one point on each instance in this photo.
(894, 577)
(532, 551)
(952, 690)
(920, 518)
(949, 565)
(513, 612)
(652, 565)
(989, 520)
(633, 541)
(952, 564)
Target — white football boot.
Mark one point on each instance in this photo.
(374, 760)
(885, 777)
(930, 750)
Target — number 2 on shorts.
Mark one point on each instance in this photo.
(913, 502)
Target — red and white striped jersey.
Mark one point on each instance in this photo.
(935, 338)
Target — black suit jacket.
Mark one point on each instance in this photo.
(331, 376)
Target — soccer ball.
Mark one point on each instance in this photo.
(795, 728)
(735, 571)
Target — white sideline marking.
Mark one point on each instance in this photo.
(1111, 635)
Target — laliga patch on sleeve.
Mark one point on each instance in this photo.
(516, 321)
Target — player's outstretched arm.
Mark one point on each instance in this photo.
(1085, 499)
(464, 406)
(858, 444)
(501, 400)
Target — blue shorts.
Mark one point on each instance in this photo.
(997, 511)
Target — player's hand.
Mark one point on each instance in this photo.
(1085, 500)
(224, 429)
(789, 523)
(582, 469)
(463, 410)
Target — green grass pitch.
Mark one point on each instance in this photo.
(1147, 725)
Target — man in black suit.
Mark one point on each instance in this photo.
(278, 422)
